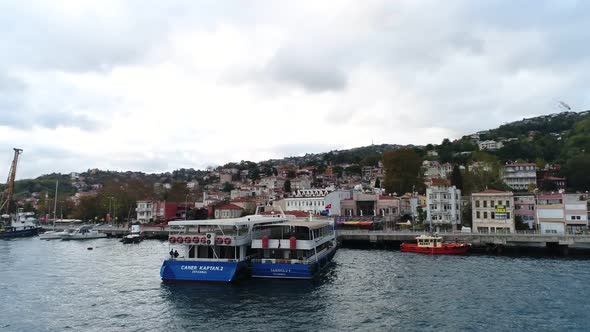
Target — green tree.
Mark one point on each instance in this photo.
(353, 170)
(402, 171)
(377, 183)
(457, 178)
(227, 187)
(338, 171)
(466, 215)
(576, 170)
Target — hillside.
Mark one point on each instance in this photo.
(562, 138)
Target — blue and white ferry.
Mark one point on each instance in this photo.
(295, 249)
(215, 250)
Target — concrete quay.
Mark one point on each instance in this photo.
(562, 244)
(491, 243)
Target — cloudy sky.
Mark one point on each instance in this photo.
(159, 85)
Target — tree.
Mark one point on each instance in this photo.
(353, 169)
(576, 170)
(338, 171)
(227, 187)
(377, 183)
(457, 178)
(466, 215)
(402, 171)
(287, 186)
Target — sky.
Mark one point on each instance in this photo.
(155, 86)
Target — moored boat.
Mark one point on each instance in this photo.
(296, 249)
(135, 237)
(54, 235)
(23, 224)
(84, 233)
(434, 245)
(212, 250)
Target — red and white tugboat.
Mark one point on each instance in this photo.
(433, 245)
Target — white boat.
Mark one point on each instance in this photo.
(297, 249)
(84, 233)
(212, 250)
(135, 236)
(54, 235)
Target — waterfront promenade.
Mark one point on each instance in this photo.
(490, 241)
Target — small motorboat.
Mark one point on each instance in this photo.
(433, 245)
(84, 233)
(54, 235)
(135, 236)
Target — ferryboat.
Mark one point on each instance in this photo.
(297, 249)
(433, 245)
(215, 250)
(23, 224)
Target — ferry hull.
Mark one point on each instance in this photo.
(19, 233)
(181, 270)
(446, 249)
(291, 271)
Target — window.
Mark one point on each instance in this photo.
(476, 203)
(507, 203)
(531, 207)
(477, 214)
(485, 203)
(485, 215)
(493, 215)
(492, 203)
(507, 215)
(499, 202)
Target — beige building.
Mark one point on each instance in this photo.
(493, 211)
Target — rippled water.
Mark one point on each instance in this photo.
(60, 285)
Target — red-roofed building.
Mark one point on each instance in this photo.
(228, 211)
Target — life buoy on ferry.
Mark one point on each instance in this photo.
(187, 239)
(179, 239)
(219, 240)
(203, 240)
(195, 239)
(227, 240)
(172, 239)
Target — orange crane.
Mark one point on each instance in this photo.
(10, 182)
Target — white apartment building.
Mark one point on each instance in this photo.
(443, 204)
(490, 145)
(520, 176)
(492, 211)
(308, 200)
(145, 211)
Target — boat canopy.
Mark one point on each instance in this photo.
(247, 220)
(314, 224)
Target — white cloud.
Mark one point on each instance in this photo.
(155, 86)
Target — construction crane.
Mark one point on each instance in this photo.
(10, 182)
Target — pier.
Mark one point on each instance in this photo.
(490, 242)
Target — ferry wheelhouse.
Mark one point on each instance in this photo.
(295, 249)
(212, 250)
(426, 244)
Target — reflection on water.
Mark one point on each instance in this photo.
(56, 286)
